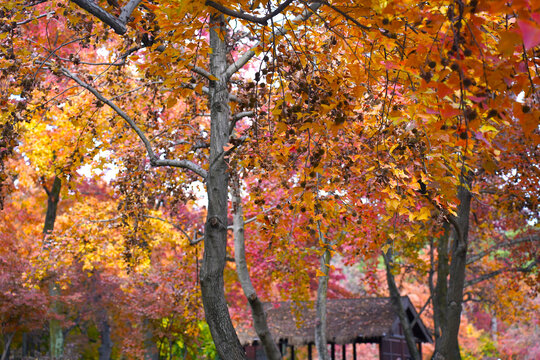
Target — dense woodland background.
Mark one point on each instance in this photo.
(164, 164)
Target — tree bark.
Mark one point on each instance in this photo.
(105, 348)
(56, 338)
(395, 297)
(257, 310)
(322, 291)
(441, 288)
(448, 348)
(7, 346)
(215, 235)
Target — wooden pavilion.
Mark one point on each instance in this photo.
(349, 321)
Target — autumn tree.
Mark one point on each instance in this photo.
(384, 103)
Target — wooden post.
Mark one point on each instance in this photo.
(354, 350)
(333, 351)
(292, 352)
(309, 351)
(344, 352)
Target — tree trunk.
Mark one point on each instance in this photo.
(448, 349)
(7, 346)
(398, 307)
(322, 291)
(257, 311)
(215, 233)
(56, 338)
(105, 348)
(151, 351)
(441, 288)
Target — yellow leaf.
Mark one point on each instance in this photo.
(486, 128)
(320, 273)
(424, 214)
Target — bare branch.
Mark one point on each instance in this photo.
(240, 115)
(237, 117)
(184, 164)
(35, 18)
(202, 72)
(106, 220)
(344, 14)
(128, 10)
(196, 146)
(259, 20)
(154, 161)
(123, 62)
(93, 8)
(206, 91)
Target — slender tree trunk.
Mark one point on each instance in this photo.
(448, 348)
(215, 233)
(441, 288)
(257, 311)
(322, 291)
(7, 345)
(398, 307)
(105, 348)
(56, 338)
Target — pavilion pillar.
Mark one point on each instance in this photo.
(344, 352)
(333, 351)
(309, 351)
(292, 352)
(354, 350)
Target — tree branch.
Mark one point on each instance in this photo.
(128, 10)
(237, 117)
(118, 24)
(154, 161)
(93, 8)
(243, 60)
(34, 18)
(202, 72)
(259, 20)
(525, 239)
(484, 277)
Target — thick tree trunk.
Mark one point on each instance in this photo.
(322, 291)
(56, 338)
(215, 233)
(448, 347)
(398, 307)
(257, 311)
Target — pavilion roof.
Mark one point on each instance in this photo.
(348, 320)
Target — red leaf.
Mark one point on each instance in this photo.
(530, 32)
